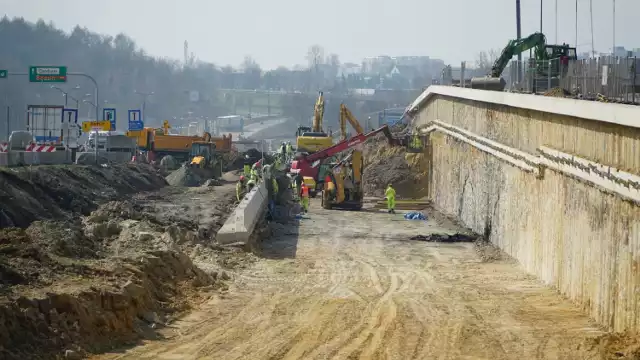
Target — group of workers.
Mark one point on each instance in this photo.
(254, 173)
(286, 151)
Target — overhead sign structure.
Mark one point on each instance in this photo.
(88, 126)
(110, 115)
(4, 74)
(48, 74)
(135, 120)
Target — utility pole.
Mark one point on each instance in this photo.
(556, 16)
(519, 36)
(576, 43)
(613, 47)
(540, 15)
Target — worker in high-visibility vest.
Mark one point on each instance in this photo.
(289, 150)
(247, 166)
(274, 187)
(390, 195)
(304, 197)
(241, 188)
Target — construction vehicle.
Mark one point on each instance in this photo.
(347, 116)
(542, 62)
(204, 156)
(160, 143)
(343, 184)
(310, 166)
(314, 139)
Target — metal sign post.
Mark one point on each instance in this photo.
(135, 121)
(110, 115)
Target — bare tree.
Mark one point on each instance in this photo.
(315, 56)
(486, 59)
(249, 63)
(333, 60)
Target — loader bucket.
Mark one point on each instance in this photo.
(488, 83)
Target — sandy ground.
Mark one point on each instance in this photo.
(350, 285)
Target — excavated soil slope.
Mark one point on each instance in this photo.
(84, 284)
(386, 164)
(61, 192)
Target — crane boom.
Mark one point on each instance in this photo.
(347, 144)
(318, 113)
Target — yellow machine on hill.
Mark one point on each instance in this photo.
(314, 139)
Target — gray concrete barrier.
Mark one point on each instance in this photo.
(244, 218)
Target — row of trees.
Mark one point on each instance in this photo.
(120, 67)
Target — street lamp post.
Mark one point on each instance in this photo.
(66, 94)
(95, 140)
(144, 102)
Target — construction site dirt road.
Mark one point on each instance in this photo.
(354, 285)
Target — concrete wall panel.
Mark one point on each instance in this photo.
(567, 231)
(570, 234)
(526, 129)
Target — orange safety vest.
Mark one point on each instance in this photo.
(305, 190)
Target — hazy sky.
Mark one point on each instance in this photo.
(278, 32)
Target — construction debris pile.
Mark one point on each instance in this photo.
(77, 277)
(387, 164)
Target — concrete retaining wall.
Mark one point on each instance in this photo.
(567, 218)
(244, 218)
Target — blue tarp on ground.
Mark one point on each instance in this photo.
(415, 215)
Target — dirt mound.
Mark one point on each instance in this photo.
(184, 176)
(79, 319)
(91, 283)
(61, 192)
(385, 164)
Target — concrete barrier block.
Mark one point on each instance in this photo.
(244, 218)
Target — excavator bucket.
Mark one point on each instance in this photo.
(488, 83)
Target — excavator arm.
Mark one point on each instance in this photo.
(514, 47)
(318, 113)
(348, 144)
(347, 115)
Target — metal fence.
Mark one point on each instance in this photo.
(605, 78)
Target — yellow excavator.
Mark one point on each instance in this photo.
(314, 139)
(343, 184)
(347, 116)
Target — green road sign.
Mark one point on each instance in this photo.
(48, 74)
(4, 74)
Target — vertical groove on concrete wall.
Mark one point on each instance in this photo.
(570, 234)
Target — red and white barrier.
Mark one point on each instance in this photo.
(4, 147)
(41, 148)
